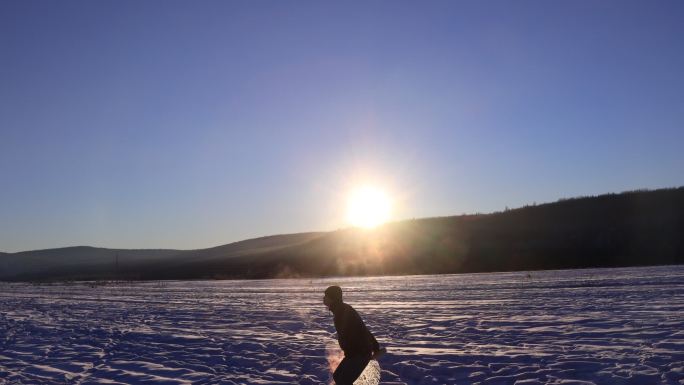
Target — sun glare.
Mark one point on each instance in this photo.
(368, 207)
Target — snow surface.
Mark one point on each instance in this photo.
(598, 326)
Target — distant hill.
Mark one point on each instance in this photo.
(627, 229)
(86, 263)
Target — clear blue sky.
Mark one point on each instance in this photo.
(197, 123)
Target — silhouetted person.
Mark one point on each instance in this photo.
(356, 341)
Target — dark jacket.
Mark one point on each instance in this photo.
(352, 334)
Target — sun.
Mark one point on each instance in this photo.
(368, 207)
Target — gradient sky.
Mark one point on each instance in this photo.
(197, 123)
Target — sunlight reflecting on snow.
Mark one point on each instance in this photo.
(617, 326)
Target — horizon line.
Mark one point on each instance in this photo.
(533, 204)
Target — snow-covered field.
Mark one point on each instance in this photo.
(600, 326)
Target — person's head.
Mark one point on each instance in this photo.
(333, 295)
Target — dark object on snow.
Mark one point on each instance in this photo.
(357, 342)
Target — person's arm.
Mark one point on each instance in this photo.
(342, 332)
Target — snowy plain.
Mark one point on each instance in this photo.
(573, 327)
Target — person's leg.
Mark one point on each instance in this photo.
(350, 369)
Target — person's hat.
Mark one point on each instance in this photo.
(334, 293)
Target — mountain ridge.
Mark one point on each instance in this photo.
(631, 228)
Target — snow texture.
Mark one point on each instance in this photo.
(581, 327)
